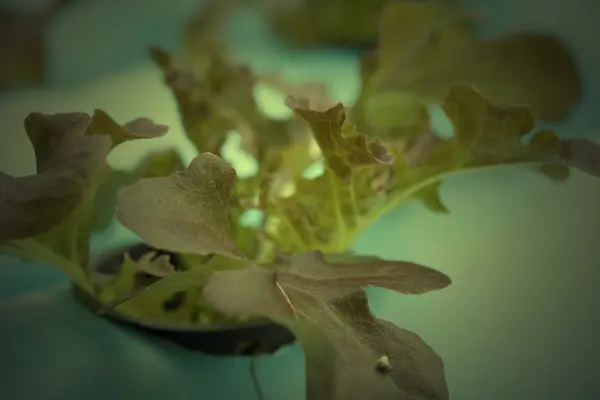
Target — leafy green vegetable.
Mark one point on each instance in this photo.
(309, 283)
(187, 210)
(318, 296)
(47, 217)
(293, 265)
(363, 178)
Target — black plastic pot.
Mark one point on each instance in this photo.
(250, 339)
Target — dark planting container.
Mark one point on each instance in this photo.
(250, 338)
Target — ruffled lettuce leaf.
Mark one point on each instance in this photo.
(219, 98)
(319, 297)
(311, 284)
(47, 217)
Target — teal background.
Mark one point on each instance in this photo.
(520, 321)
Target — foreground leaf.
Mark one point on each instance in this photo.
(66, 160)
(54, 208)
(186, 212)
(218, 99)
(323, 303)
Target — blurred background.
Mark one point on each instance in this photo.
(520, 321)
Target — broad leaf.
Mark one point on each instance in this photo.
(48, 216)
(185, 212)
(324, 304)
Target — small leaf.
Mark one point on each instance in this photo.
(325, 307)
(341, 145)
(185, 212)
(134, 276)
(149, 263)
(102, 123)
(158, 266)
(359, 185)
(430, 197)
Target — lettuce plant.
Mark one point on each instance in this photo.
(294, 266)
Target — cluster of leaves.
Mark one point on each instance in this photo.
(294, 267)
(314, 286)
(215, 95)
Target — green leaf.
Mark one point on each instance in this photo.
(144, 302)
(54, 208)
(341, 144)
(133, 277)
(323, 303)
(150, 263)
(364, 179)
(186, 212)
(430, 197)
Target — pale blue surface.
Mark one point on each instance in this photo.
(519, 323)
